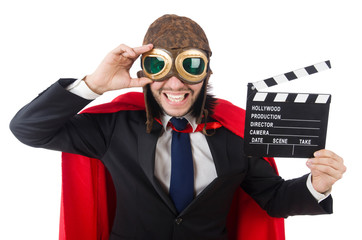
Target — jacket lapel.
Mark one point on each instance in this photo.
(218, 148)
(146, 152)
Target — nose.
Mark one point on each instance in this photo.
(174, 83)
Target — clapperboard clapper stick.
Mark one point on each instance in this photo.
(286, 124)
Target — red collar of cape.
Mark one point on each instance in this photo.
(88, 196)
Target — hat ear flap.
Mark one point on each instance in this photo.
(153, 109)
(199, 108)
(149, 118)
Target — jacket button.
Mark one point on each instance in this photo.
(178, 221)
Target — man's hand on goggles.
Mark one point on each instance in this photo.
(113, 71)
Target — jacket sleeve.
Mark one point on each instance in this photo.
(51, 121)
(278, 197)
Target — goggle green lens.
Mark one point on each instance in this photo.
(154, 65)
(194, 66)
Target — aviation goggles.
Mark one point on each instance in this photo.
(190, 65)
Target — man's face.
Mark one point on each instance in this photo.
(175, 97)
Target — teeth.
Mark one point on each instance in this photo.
(175, 98)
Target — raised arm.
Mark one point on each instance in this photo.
(51, 120)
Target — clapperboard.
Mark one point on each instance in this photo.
(286, 124)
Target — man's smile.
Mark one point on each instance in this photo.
(176, 97)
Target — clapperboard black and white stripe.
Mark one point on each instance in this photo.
(292, 75)
(286, 124)
(292, 97)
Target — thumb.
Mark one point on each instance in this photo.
(140, 82)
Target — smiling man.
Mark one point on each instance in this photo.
(175, 153)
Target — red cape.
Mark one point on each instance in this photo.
(88, 195)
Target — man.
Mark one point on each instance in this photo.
(151, 174)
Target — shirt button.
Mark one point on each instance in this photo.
(178, 221)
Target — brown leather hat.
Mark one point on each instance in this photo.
(175, 32)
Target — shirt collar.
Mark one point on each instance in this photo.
(192, 121)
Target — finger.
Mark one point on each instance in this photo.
(143, 49)
(139, 82)
(327, 170)
(128, 52)
(334, 157)
(327, 162)
(120, 49)
(326, 153)
(133, 53)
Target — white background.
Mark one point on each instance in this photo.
(42, 41)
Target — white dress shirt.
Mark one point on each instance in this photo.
(204, 167)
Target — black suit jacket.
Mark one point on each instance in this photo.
(146, 211)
